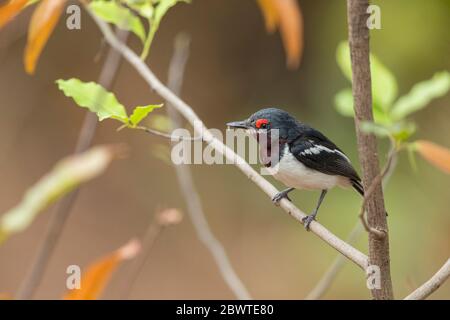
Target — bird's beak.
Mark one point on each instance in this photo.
(239, 124)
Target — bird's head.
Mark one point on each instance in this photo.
(269, 119)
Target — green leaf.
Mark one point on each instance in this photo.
(343, 59)
(384, 84)
(159, 11)
(402, 131)
(94, 97)
(343, 101)
(421, 94)
(143, 7)
(378, 130)
(122, 17)
(399, 131)
(140, 112)
(67, 174)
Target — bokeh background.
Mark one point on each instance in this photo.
(234, 68)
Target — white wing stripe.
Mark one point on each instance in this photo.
(318, 148)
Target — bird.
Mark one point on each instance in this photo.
(307, 159)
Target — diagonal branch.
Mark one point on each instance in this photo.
(347, 250)
(186, 181)
(431, 285)
(333, 270)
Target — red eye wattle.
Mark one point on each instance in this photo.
(261, 123)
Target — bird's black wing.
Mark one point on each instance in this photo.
(317, 152)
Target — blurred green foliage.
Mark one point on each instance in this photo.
(67, 174)
(122, 17)
(127, 14)
(390, 112)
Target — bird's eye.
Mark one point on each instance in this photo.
(261, 123)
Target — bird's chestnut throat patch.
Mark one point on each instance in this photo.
(270, 147)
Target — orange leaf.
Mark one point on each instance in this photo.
(291, 29)
(270, 14)
(98, 274)
(42, 23)
(434, 154)
(286, 15)
(10, 10)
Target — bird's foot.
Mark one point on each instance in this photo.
(307, 220)
(280, 195)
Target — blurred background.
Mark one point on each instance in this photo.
(234, 69)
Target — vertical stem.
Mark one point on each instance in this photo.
(153, 231)
(187, 186)
(358, 34)
(63, 208)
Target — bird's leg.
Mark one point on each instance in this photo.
(308, 219)
(280, 195)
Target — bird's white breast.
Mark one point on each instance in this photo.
(295, 174)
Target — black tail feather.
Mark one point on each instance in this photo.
(356, 184)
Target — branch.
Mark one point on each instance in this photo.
(167, 135)
(63, 208)
(431, 285)
(350, 252)
(358, 35)
(327, 279)
(330, 275)
(161, 219)
(186, 181)
(392, 156)
(153, 232)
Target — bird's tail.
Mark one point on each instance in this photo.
(356, 184)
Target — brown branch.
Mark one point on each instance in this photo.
(376, 183)
(431, 285)
(187, 185)
(168, 135)
(316, 228)
(162, 219)
(332, 272)
(358, 34)
(153, 232)
(63, 208)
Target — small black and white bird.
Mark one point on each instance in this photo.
(307, 159)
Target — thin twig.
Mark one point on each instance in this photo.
(168, 135)
(327, 279)
(153, 232)
(392, 155)
(63, 208)
(316, 228)
(431, 285)
(162, 219)
(186, 181)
